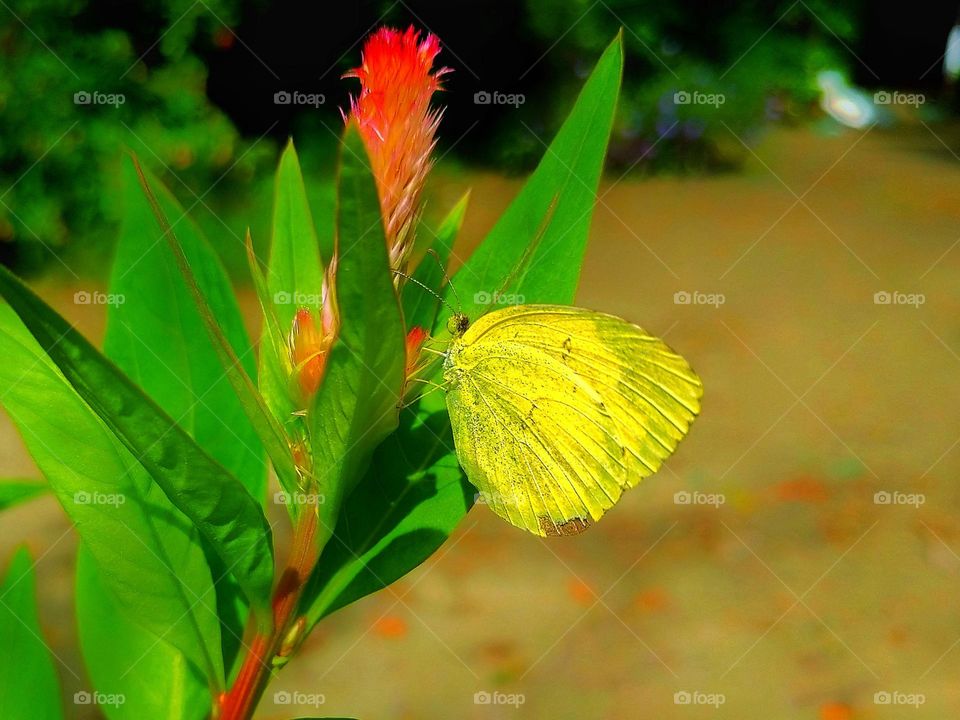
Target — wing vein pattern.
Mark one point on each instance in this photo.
(557, 410)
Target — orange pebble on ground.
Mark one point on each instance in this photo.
(390, 626)
(581, 593)
(653, 599)
(802, 489)
(836, 711)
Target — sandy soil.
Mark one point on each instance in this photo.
(799, 596)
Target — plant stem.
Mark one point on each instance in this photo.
(239, 702)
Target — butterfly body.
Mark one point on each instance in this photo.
(557, 410)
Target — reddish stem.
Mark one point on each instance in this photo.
(239, 702)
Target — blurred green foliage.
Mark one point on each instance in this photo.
(60, 158)
(760, 58)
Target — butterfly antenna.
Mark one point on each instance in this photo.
(446, 278)
(428, 289)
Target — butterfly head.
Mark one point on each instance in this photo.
(457, 324)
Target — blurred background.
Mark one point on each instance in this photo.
(781, 204)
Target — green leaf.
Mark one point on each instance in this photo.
(148, 553)
(119, 654)
(295, 263)
(567, 178)
(157, 336)
(294, 278)
(14, 492)
(408, 504)
(275, 369)
(419, 306)
(220, 507)
(28, 679)
(383, 534)
(254, 407)
(356, 407)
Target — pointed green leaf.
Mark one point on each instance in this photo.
(294, 277)
(275, 370)
(28, 678)
(119, 654)
(251, 401)
(567, 176)
(148, 553)
(157, 336)
(14, 492)
(356, 407)
(220, 507)
(295, 263)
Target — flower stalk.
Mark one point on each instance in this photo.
(240, 701)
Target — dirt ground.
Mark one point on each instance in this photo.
(798, 593)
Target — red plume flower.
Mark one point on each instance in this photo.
(393, 112)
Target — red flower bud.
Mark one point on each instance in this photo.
(308, 353)
(415, 340)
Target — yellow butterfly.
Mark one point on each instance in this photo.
(557, 410)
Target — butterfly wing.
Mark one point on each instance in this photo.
(556, 410)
